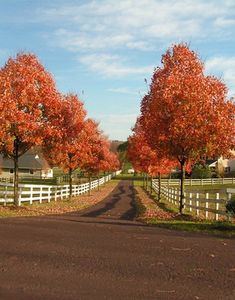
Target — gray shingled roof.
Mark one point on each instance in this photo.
(26, 161)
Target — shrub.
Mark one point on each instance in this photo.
(201, 171)
(230, 206)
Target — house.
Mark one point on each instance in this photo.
(31, 164)
(226, 165)
(212, 164)
(131, 171)
(223, 166)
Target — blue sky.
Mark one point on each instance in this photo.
(104, 49)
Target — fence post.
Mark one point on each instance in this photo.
(55, 191)
(173, 195)
(197, 204)
(20, 190)
(61, 192)
(190, 201)
(31, 195)
(184, 200)
(207, 205)
(229, 196)
(40, 197)
(67, 192)
(176, 196)
(5, 196)
(49, 194)
(217, 207)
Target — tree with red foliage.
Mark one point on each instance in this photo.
(144, 158)
(109, 161)
(189, 115)
(67, 149)
(30, 106)
(98, 155)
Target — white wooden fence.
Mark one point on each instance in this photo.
(191, 182)
(205, 205)
(40, 193)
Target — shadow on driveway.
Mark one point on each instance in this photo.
(120, 204)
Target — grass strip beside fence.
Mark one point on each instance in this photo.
(161, 215)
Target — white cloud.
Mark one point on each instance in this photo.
(223, 22)
(112, 65)
(123, 90)
(136, 24)
(116, 125)
(80, 41)
(96, 27)
(224, 67)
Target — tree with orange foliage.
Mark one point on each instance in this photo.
(109, 161)
(98, 155)
(30, 106)
(189, 115)
(144, 158)
(67, 149)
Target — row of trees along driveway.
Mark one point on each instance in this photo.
(186, 117)
(34, 112)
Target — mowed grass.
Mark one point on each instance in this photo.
(212, 191)
(226, 229)
(165, 215)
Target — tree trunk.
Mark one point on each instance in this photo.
(182, 178)
(151, 185)
(16, 173)
(147, 182)
(159, 186)
(70, 184)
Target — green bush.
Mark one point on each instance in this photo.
(201, 172)
(230, 206)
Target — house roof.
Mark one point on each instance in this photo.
(211, 162)
(32, 159)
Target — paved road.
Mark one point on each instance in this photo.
(102, 254)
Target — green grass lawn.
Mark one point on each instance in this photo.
(210, 187)
(186, 222)
(226, 229)
(129, 177)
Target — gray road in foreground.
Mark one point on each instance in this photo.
(102, 254)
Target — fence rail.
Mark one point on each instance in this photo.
(191, 182)
(32, 192)
(205, 205)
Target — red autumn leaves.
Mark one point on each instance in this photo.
(34, 112)
(186, 115)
